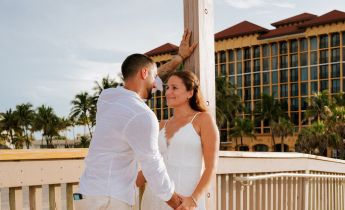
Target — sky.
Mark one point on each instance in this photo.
(52, 50)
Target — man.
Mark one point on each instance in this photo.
(126, 133)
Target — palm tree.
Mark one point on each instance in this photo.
(228, 103)
(313, 139)
(47, 122)
(25, 115)
(318, 106)
(9, 123)
(242, 128)
(105, 83)
(83, 110)
(268, 109)
(283, 128)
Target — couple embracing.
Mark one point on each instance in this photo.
(178, 156)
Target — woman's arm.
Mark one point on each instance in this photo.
(210, 144)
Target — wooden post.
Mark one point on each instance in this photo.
(198, 17)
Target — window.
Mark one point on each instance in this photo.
(323, 85)
(304, 104)
(323, 41)
(266, 50)
(283, 47)
(247, 80)
(335, 70)
(335, 86)
(283, 90)
(294, 89)
(283, 76)
(304, 74)
(294, 60)
(324, 56)
(222, 56)
(266, 90)
(343, 35)
(313, 87)
(231, 55)
(336, 55)
(256, 65)
(247, 53)
(223, 69)
(294, 104)
(239, 54)
(304, 59)
(313, 58)
(274, 63)
(266, 78)
(335, 40)
(293, 46)
(166, 113)
(239, 68)
(274, 77)
(304, 88)
(283, 61)
(247, 94)
(313, 43)
(257, 79)
(266, 63)
(232, 69)
(232, 80)
(256, 51)
(274, 47)
(247, 66)
(239, 81)
(303, 45)
(294, 75)
(284, 104)
(314, 73)
(324, 72)
(275, 91)
(257, 93)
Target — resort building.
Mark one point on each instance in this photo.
(302, 55)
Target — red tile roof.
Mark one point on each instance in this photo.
(330, 17)
(240, 29)
(295, 19)
(165, 48)
(282, 31)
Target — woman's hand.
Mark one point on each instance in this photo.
(140, 182)
(188, 203)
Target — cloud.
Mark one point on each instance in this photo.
(247, 4)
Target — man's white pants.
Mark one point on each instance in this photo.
(101, 203)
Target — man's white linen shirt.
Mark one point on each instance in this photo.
(126, 133)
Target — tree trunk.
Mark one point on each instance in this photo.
(273, 141)
(282, 144)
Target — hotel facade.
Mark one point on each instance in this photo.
(301, 56)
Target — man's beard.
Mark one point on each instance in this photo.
(149, 93)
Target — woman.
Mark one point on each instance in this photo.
(188, 142)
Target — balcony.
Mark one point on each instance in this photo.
(46, 179)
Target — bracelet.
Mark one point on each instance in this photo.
(181, 56)
(194, 200)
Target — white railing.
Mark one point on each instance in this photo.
(279, 181)
(46, 179)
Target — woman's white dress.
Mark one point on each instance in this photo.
(184, 162)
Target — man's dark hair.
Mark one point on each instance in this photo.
(133, 63)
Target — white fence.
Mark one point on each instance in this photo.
(46, 179)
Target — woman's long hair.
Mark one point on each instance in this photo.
(191, 82)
